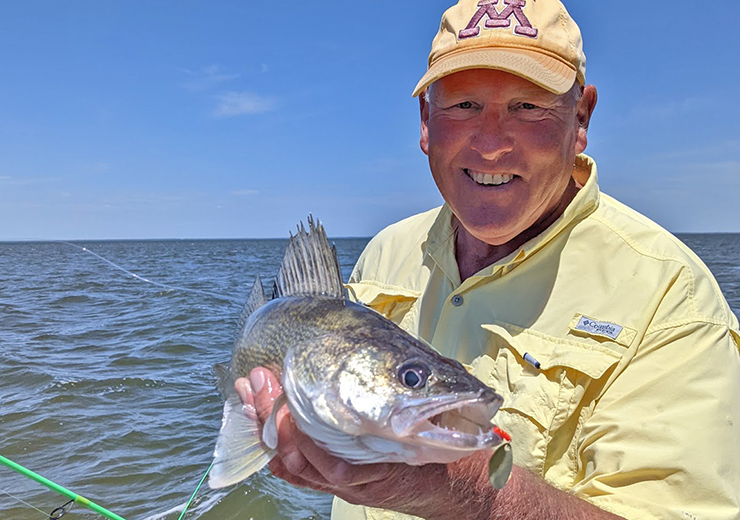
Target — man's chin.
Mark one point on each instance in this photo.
(490, 233)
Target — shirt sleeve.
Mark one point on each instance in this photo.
(663, 441)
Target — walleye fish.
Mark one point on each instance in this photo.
(356, 383)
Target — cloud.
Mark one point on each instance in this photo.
(669, 109)
(729, 147)
(231, 104)
(8, 180)
(245, 192)
(96, 167)
(717, 172)
(206, 78)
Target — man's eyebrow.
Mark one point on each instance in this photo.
(536, 92)
(545, 98)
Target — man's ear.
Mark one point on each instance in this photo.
(585, 109)
(424, 112)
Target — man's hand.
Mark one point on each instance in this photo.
(430, 491)
(460, 490)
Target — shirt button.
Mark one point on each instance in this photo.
(457, 300)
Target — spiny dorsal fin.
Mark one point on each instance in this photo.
(310, 266)
(257, 299)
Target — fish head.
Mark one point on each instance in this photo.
(441, 407)
(396, 393)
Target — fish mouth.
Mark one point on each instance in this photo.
(461, 421)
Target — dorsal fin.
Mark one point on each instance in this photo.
(257, 299)
(310, 266)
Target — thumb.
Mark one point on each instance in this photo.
(265, 390)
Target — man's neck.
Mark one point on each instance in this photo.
(473, 255)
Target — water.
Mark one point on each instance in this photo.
(106, 385)
(106, 382)
(721, 253)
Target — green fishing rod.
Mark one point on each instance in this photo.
(59, 489)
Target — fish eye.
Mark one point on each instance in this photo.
(414, 375)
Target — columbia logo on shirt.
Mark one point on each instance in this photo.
(601, 328)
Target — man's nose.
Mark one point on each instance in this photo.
(492, 137)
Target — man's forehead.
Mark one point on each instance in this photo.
(487, 81)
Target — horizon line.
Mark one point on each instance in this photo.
(175, 239)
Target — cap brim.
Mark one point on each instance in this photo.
(542, 70)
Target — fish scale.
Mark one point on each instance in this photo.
(360, 386)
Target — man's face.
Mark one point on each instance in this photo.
(501, 149)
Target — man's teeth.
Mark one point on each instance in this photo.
(488, 179)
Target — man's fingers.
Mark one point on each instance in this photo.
(266, 389)
(279, 470)
(336, 471)
(244, 390)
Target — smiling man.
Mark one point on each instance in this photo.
(609, 340)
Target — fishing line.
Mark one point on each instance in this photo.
(65, 492)
(79, 499)
(159, 284)
(46, 515)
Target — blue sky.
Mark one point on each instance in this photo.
(185, 119)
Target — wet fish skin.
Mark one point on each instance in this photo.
(288, 322)
(333, 339)
(359, 385)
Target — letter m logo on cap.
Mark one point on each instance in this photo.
(501, 19)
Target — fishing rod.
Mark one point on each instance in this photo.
(78, 499)
(74, 497)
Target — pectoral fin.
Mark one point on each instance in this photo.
(269, 432)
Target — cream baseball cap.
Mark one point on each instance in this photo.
(534, 39)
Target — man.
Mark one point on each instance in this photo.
(609, 340)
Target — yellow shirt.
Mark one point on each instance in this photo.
(635, 405)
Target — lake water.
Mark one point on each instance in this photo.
(106, 382)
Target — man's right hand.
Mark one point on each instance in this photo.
(426, 491)
(433, 491)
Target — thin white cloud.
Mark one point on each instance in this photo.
(96, 167)
(670, 108)
(245, 192)
(8, 180)
(232, 104)
(717, 172)
(715, 149)
(206, 78)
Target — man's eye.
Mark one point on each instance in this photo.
(529, 106)
(465, 104)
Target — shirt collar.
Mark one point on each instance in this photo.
(440, 243)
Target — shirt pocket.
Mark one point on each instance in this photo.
(395, 303)
(543, 380)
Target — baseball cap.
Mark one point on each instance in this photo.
(534, 39)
